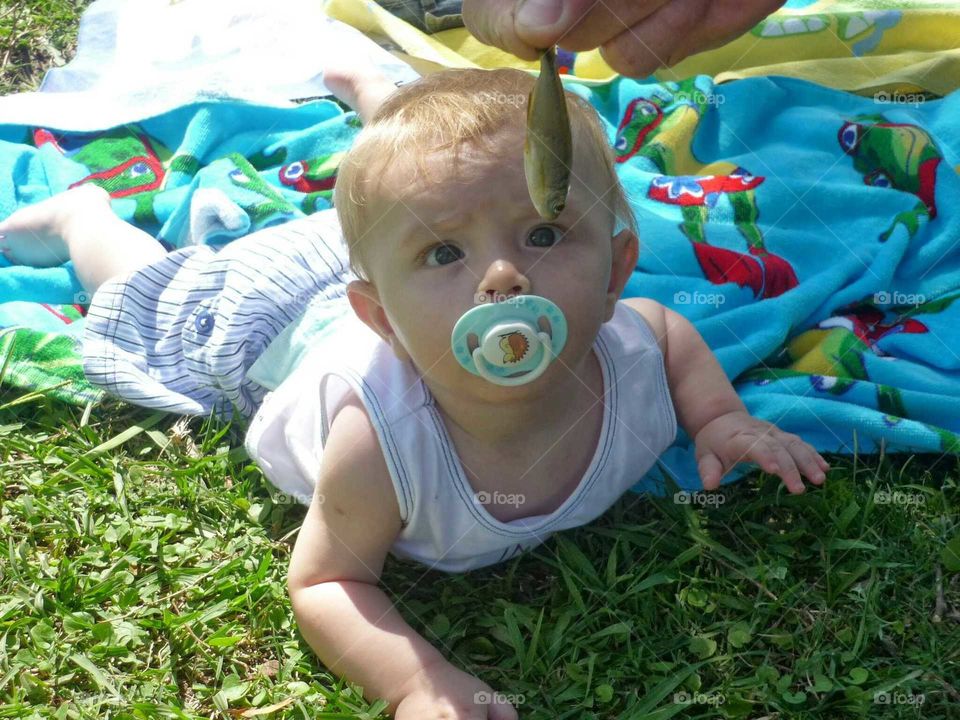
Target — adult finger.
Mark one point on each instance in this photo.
(492, 22)
(679, 29)
(521, 26)
(583, 24)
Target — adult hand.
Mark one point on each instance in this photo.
(635, 37)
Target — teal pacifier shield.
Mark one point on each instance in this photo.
(511, 327)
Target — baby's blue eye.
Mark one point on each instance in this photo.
(544, 236)
(452, 254)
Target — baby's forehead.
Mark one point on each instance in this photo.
(437, 172)
(465, 155)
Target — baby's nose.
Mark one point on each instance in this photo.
(502, 280)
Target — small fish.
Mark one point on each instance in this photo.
(548, 148)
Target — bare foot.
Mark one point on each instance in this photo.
(360, 85)
(36, 235)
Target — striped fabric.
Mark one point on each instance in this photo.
(181, 333)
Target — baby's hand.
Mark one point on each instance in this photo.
(738, 436)
(447, 692)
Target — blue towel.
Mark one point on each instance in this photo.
(810, 235)
(813, 238)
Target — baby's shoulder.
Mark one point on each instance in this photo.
(353, 456)
(652, 312)
(352, 422)
(354, 507)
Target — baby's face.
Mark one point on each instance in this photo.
(432, 250)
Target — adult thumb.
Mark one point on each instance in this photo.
(521, 27)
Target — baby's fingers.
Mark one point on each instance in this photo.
(808, 459)
(711, 471)
(788, 469)
(770, 455)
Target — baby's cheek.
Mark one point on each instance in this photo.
(429, 347)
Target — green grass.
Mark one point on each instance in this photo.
(142, 566)
(35, 35)
(146, 579)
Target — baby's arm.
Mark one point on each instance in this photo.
(349, 621)
(712, 413)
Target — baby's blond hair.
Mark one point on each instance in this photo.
(448, 109)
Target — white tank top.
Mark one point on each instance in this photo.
(444, 526)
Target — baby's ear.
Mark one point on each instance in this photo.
(365, 301)
(625, 247)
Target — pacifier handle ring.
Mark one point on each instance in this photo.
(479, 363)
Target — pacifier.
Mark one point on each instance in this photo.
(509, 342)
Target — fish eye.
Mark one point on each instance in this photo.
(437, 253)
(544, 236)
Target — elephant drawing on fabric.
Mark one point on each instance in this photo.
(661, 128)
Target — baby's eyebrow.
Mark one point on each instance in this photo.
(434, 229)
(417, 234)
(407, 238)
(421, 229)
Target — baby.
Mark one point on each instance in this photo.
(410, 428)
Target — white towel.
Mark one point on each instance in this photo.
(139, 58)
